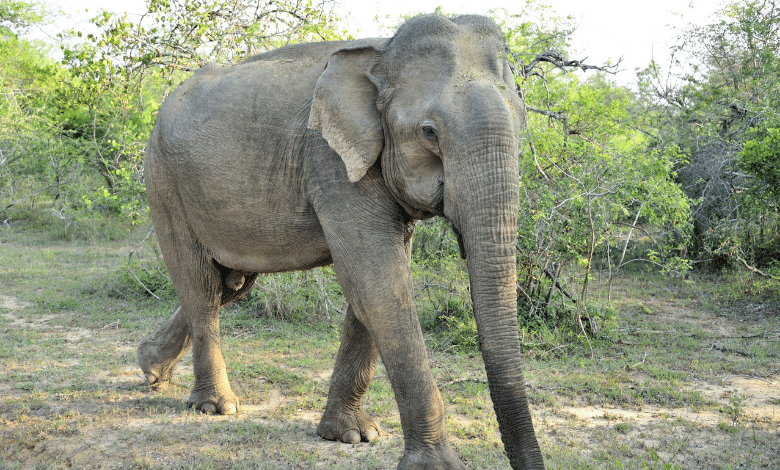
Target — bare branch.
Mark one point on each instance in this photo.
(558, 60)
(457, 381)
(731, 350)
(754, 270)
(554, 115)
(662, 266)
(142, 284)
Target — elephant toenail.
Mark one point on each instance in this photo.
(208, 408)
(371, 434)
(228, 409)
(351, 437)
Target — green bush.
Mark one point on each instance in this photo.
(298, 297)
(434, 240)
(145, 273)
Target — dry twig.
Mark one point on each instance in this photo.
(731, 350)
(457, 381)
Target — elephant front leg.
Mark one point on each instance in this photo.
(381, 294)
(344, 418)
(159, 352)
(426, 444)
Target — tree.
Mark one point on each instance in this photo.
(38, 162)
(724, 94)
(187, 34)
(121, 75)
(590, 178)
(18, 16)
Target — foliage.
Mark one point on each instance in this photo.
(49, 139)
(36, 160)
(185, 35)
(73, 134)
(434, 241)
(719, 110)
(441, 287)
(760, 157)
(18, 16)
(298, 297)
(121, 76)
(145, 273)
(590, 179)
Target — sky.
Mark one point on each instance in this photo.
(606, 29)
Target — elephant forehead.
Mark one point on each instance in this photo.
(447, 62)
(480, 54)
(437, 52)
(462, 54)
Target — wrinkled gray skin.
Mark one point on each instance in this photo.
(328, 153)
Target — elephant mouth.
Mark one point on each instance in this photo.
(418, 210)
(417, 213)
(459, 237)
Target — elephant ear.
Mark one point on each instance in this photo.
(344, 109)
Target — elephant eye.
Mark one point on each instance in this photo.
(429, 132)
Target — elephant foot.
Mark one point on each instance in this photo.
(211, 402)
(157, 371)
(351, 427)
(159, 352)
(443, 458)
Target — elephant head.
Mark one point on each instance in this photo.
(436, 107)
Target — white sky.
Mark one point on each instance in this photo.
(608, 29)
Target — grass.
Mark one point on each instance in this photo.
(681, 380)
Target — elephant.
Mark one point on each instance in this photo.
(328, 154)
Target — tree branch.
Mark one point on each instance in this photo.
(559, 61)
(755, 270)
(554, 115)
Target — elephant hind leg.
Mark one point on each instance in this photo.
(159, 352)
(199, 284)
(196, 324)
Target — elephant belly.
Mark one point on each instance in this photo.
(264, 241)
(287, 258)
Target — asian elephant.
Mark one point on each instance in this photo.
(329, 152)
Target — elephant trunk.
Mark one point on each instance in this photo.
(486, 216)
(492, 275)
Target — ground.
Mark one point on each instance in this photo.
(684, 382)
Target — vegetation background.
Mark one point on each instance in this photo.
(673, 181)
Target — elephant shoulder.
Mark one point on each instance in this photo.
(206, 75)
